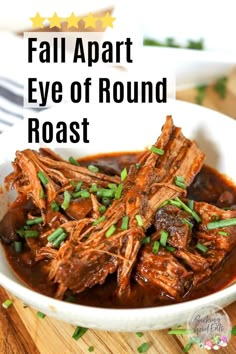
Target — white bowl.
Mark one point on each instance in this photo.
(128, 127)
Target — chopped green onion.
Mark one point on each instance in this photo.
(221, 223)
(143, 348)
(21, 232)
(157, 151)
(174, 202)
(31, 233)
(81, 194)
(59, 240)
(70, 298)
(179, 181)
(6, 304)
(105, 193)
(112, 186)
(66, 201)
(110, 231)
(123, 174)
(187, 346)
(41, 194)
(221, 86)
(201, 247)
(190, 211)
(40, 314)
(102, 209)
(78, 186)
(102, 218)
(233, 331)
(215, 217)
(34, 221)
(119, 191)
(125, 223)
(201, 94)
(170, 248)
(93, 188)
(138, 165)
(156, 246)
(72, 183)
(146, 240)
(42, 178)
(223, 233)
(139, 334)
(93, 168)
(106, 201)
(91, 348)
(18, 246)
(139, 220)
(178, 331)
(79, 332)
(55, 234)
(54, 206)
(164, 237)
(190, 204)
(73, 161)
(186, 221)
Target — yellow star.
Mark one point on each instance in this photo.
(90, 21)
(55, 21)
(37, 21)
(107, 20)
(72, 21)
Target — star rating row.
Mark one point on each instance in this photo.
(72, 21)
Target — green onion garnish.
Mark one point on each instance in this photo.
(123, 174)
(105, 193)
(233, 331)
(34, 221)
(178, 331)
(41, 194)
(187, 347)
(139, 334)
(78, 186)
(156, 246)
(18, 246)
(21, 232)
(186, 221)
(164, 237)
(106, 201)
(54, 206)
(91, 348)
(72, 183)
(93, 168)
(112, 186)
(79, 332)
(190, 211)
(223, 233)
(6, 304)
(110, 231)
(179, 181)
(190, 204)
(138, 165)
(170, 248)
(102, 209)
(40, 314)
(81, 194)
(221, 223)
(55, 234)
(102, 218)
(125, 223)
(70, 298)
(221, 86)
(157, 151)
(59, 240)
(31, 233)
(143, 348)
(93, 188)
(146, 240)
(139, 220)
(73, 161)
(201, 247)
(42, 178)
(66, 201)
(119, 191)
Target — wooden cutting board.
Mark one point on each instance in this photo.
(22, 332)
